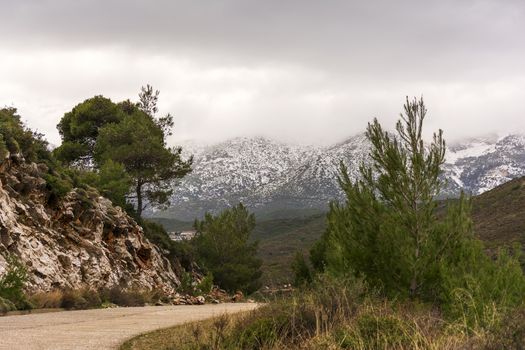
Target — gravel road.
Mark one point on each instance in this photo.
(101, 328)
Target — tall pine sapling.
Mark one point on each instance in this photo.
(388, 230)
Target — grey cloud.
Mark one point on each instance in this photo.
(314, 70)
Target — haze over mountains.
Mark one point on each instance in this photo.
(284, 180)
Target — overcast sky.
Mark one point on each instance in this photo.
(303, 71)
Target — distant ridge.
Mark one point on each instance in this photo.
(270, 176)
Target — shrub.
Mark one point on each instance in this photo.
(3, 149)
(57, 185)
(206, 284)
(49, 300)
(376, 332)
(6, 306)
(262, 333)
(92, 298)
(120, 297)
(12, 284)
(177, 251)
(387, 231)
(510, 334)
(73, 300)
(302, 273)
(186, 283)
(16, 138)
(481, 289)
(80, 299)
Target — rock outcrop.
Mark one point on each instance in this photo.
(80, 241)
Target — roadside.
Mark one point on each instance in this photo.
(100, 328)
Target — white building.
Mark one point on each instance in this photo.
(182, 235)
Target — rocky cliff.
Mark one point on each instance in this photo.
(81, 240)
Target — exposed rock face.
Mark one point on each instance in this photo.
(80, 241)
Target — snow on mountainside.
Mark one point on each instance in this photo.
(481, 164)
(271, 176)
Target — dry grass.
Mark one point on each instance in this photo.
(49, 300)
(88, 298)
(375, 326)
(188, 336)
(334, 317)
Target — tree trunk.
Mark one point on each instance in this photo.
(139, 198)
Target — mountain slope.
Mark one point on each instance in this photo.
(269, 176)
(499, 214)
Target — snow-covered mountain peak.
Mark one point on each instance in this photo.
(266, 174)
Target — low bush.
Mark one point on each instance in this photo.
(6, 306)
(120, 297)
(186, 284)
(88, 298)
(73, 300)
(12, 284)
(371, 331)
(206, 284)
(49, 300)
(335, 314)
(81, 299)
(510, 333)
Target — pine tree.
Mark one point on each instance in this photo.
(138, 143)
(223, 246)
(388, 230)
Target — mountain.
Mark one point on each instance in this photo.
(274, 178)
(478, 165)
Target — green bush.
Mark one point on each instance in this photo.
(388, 231)
(6, 306)
(16, 138)
(3, 149)
(186, 283)
(12, 284)
(206, 284)
(58, 186)
(479, 289)
(302, 272)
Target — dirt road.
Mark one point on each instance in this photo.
(99, 329)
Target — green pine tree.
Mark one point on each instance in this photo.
(223, 246)
(388, 230)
